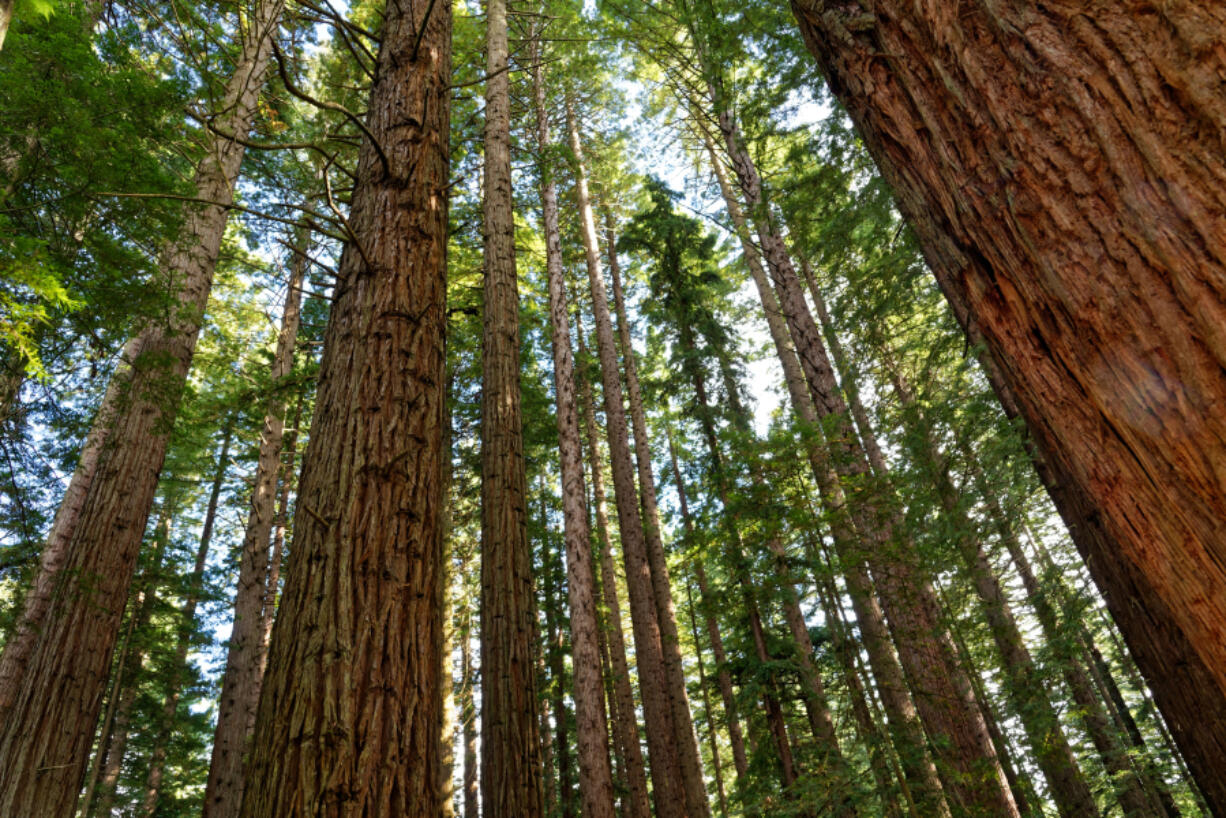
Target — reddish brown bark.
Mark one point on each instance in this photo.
(903, 719)
(683, 723)
(350, 713)
(669, 791)
(591, 728)
(59, 663)
(625, 724)
(511, 766)
(240, 685)
(1063, 168)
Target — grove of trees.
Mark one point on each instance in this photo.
(618, 408)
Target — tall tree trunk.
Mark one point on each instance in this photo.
(903, 720)
(272, 582)
(1129, 785)
(1109, 329)
(669, 790)
(1025, 686)
(108, 762)
(736, 737)
(511, 768)
(240, 685)
(185, 631)
(833, 766)
(683, 723)
(717, 767)
(55, 668)
(971, 774)
(350, 712)
(468, 715)
(625, 726)
(866, 724)
(591, 727)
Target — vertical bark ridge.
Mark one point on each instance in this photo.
(350, 711)
(669, 792)
(240, 684)
(1099, 216)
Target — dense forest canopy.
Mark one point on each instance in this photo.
(616, 408)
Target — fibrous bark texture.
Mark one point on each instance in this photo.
(55, 670)
(1064, 167)
(591, 727)
(350, 713)
(240, 685)
(683, 723)
(668, 786)
(625, 725)
(511, 767)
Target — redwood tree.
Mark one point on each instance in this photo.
(351, 713)
(1063, 169)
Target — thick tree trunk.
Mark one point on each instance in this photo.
(240, 685)
(625, 725)
(903, 720)
(669, 791)
(591, 727)
(683, 723)
(350, 712)
(1088, 249)
(511, 771)
(62, 655)
(970, 772)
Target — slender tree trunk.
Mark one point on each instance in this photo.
(350, 712)
(717, 766)
(833, 766)
(446, 772)
(591, 727)
(669, 790)
(240, 685)
(687, 739)
(510, 762)
(866, 726)
(1025, 686)
(1127, 781)
(736, 737)
(184, 632)
(625, 725)
(550, 782)
(468, 715)
(1045, 237)
(108, 763)
(971, 774)
(904, 723)
(272, 582)
(61, 655)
